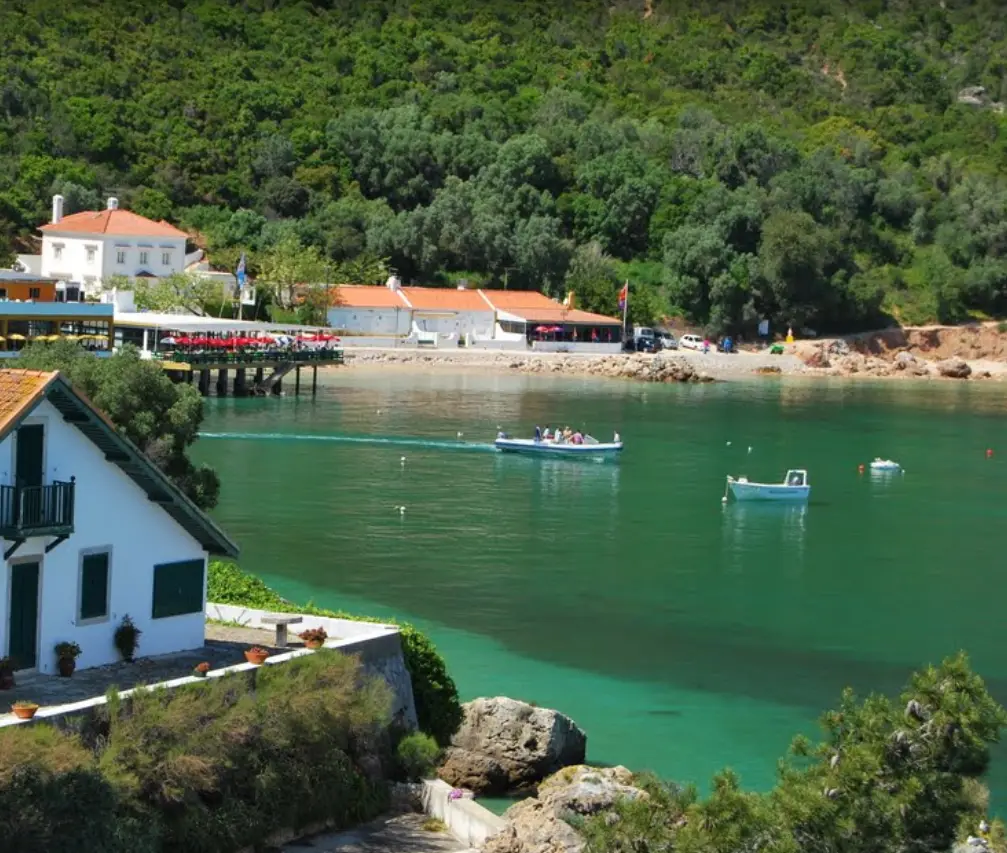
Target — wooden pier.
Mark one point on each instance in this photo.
(248, 374)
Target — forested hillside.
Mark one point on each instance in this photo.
(814, 162)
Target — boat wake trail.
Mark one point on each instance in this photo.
(353, 439)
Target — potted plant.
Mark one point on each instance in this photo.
(24, 710)
(201, 669)
(127, 638)
(67, 653)
(314, 638)
(256, 655)
(6, 674)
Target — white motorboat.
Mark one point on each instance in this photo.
(589, 447)
(885, 465)
(793, 488)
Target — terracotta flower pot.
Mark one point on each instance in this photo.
(258, 658)
(66, 666)
(24, 713)
(313, 644)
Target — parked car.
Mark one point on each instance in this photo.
(667, 340)
(691, 342)
(645, 340)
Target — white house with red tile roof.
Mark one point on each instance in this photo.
(485, 318)
(92, 246)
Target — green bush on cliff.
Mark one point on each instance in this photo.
(208, 768)
(889, 776)
(437, 706)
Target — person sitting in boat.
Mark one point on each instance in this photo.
(546, 434)
(567, 433)
(616, 439)
(578, 438)
(538, 433)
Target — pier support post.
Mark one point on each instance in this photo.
(258, 376)
(278, 387)
(297, 380)
(204, 383)
(240, 388)
(222, 382)
(314, 379)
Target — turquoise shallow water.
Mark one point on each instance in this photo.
(683, 635)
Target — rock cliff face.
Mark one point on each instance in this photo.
(505, 745)
(540, 824)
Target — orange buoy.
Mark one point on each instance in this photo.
(989, 452)
(860, 469)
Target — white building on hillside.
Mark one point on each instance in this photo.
(92, 246)
(93, 532)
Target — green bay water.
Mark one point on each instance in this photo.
(684, 635)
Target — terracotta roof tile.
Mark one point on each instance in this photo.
(507, 300)
(123, 223)
(366, 296)
(561, 315)
(445, 299)
(19, 391)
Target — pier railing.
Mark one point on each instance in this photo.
(332, 356)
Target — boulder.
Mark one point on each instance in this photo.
(505, 745)
(954, 368)
(540, 824)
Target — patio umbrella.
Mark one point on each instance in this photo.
(16, 337)
(169, 340)
(543, 329)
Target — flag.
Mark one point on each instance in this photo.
(241, 271)
(624, 296)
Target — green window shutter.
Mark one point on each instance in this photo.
(178, 588)
(94, 586)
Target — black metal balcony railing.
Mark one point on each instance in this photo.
(37, 510)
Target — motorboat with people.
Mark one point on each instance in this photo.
(794, 487)
(559, 443)
(880, 464)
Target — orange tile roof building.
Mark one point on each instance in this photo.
(89, 247)
(478, 317)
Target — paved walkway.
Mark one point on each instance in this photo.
(95, 681)
(403, 833)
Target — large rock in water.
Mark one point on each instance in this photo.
(954, 368)
(505, 745)
(541, 824)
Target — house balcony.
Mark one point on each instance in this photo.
(27, 511)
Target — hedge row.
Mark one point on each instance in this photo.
(437, 706)
(207, 768)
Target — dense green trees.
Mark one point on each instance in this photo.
(810, 162)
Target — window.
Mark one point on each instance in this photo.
(93, 601)
(120, 256)
(57, 251)
(3, 292)
(90, 254)
(166, 258)
(34, 292)
(144, 256)
(178, 588)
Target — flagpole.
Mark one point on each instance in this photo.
(625, 308)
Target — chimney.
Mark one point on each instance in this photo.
(113, 203)
(57, 209)
(393, 283)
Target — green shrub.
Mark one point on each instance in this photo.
(417, 755)
(438, 708)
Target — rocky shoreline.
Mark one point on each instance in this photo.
(824, 358)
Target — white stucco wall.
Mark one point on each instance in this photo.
(479, 324)
(370, 321)
(74, 265)
(110, 510)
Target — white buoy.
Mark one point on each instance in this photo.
(749, 448)
(378, 412)
(402, 510)
(728, 444)
(402, 460)
(460, 434)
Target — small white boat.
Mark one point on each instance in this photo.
(793, 488)
(885, 465)
(590, 447)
